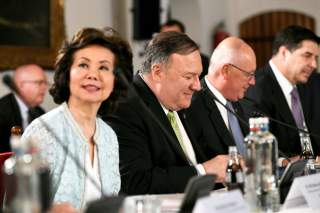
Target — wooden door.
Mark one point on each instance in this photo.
(259, 30)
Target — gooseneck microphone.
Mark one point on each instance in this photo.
(231, 111)
(242, 120)
(8, 81)
(260, 113)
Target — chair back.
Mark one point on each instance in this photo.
(4, 156)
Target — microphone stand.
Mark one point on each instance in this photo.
(243, 121)
(228, 109)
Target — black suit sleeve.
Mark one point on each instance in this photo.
(9, 117)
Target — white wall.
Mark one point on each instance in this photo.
(199, 16)
(84, 13)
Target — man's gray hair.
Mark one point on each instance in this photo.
(163, 45)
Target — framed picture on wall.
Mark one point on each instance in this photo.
(30, 32)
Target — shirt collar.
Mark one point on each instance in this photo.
(284, 83)
(22, 106)
(164, 109)
(216, 92)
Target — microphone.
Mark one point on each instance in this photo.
(7, 80)
(260, 113)
(227, 108)
(243, 121)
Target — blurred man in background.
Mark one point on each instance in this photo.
(19, 108)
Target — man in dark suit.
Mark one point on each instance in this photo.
(178, 26)
(19, 108)
(158, 153)
(311, 98)
(230, 74)
(281, 83)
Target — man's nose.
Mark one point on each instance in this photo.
(314, 63)
(252, 81)
(196, 84)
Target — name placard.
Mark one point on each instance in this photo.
(231, 201)
(305, 191)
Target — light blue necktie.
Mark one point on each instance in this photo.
(236, 132)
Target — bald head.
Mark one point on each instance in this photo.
(232, 67)
(31, 83)
(23, 72)
(231, 50)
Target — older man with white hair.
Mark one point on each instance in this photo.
(19, 108)
(231, 73)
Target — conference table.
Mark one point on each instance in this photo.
(169, 203)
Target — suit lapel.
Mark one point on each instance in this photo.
(155, 108)
(302, 94)
(280, 100)
(215, 116)
(198, 151)
(17, 119)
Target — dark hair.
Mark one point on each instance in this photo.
(174, 22)
(163, 45)
(292, 36)
(60, 90)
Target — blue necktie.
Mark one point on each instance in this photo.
(236, 132)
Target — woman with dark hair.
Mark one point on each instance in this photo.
(83, 80)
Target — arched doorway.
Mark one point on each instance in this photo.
(259, 30)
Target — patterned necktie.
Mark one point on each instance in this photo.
(175, 127)
(234, 127)
(296, 108)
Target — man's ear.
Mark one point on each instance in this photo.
(284, 52)
(156, 72)
(18, 85)
(225, 70)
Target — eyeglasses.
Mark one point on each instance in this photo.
(249, 75)
(38, 82)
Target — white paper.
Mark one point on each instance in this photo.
(231, 201)
(304, 191)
